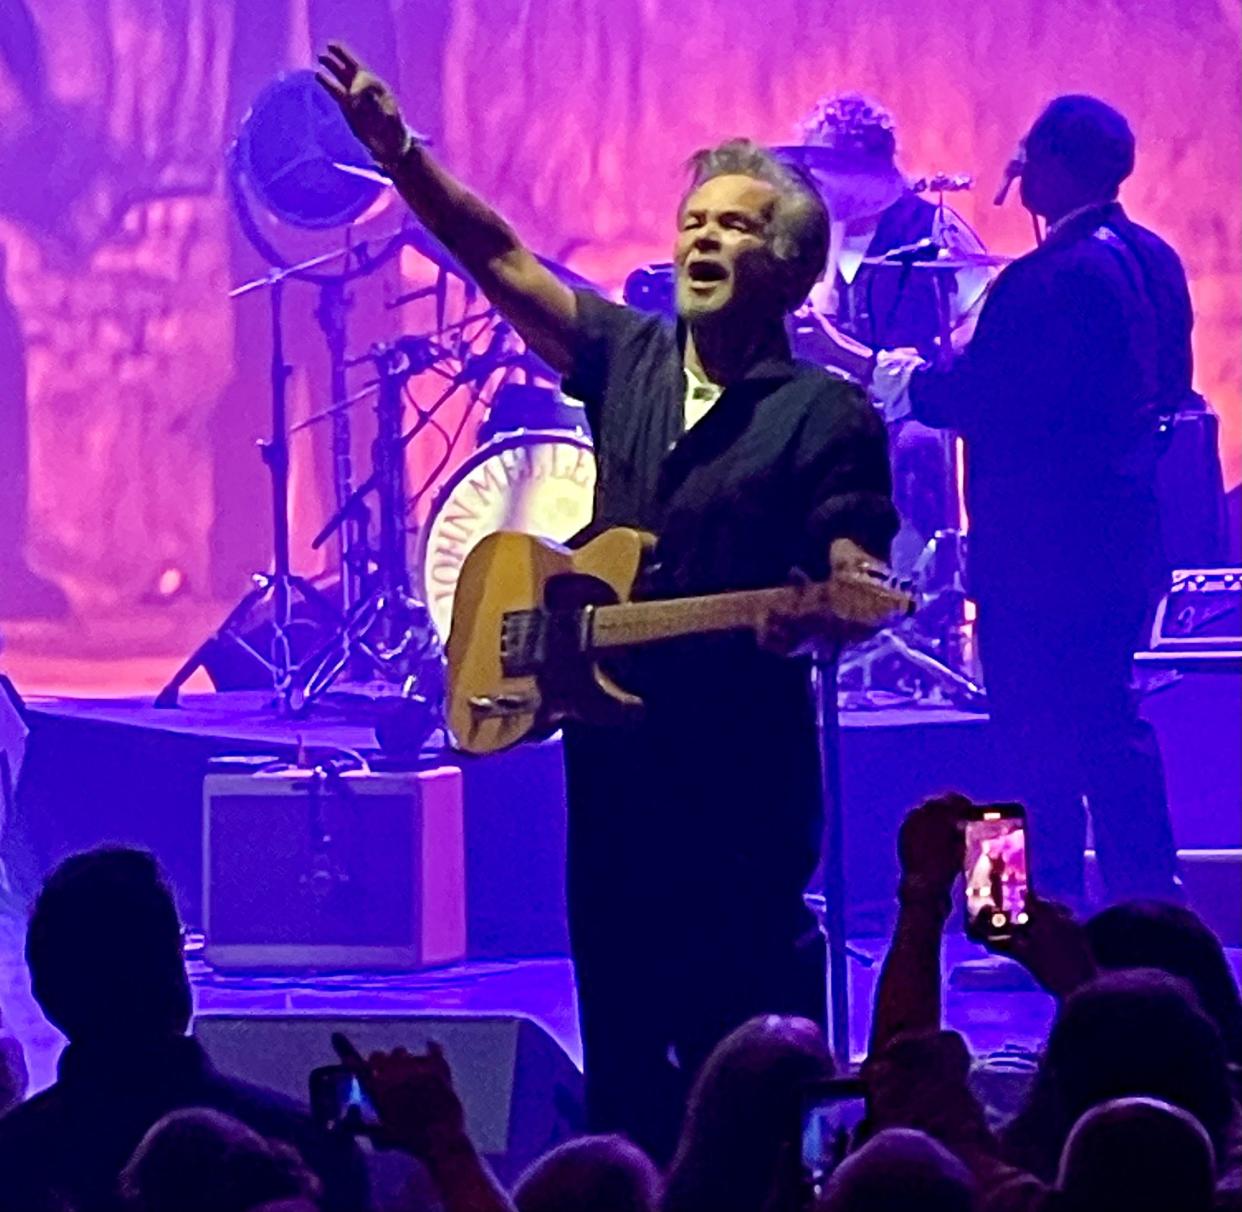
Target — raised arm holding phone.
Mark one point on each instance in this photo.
(418, 1111)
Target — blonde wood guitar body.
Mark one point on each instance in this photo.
(532, 619)
(506, 574)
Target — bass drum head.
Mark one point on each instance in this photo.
(539, 482)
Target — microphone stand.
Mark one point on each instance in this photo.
(832, 864)
(281, 585)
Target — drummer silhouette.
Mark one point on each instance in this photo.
(849, 148)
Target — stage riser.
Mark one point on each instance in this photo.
(88, 781)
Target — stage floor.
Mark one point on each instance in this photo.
(93, 700)
(538, 988)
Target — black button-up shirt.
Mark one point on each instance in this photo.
(787, 460)
(1079, 347)
(724, 766)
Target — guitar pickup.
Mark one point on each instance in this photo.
(500, 706)
(523, 642)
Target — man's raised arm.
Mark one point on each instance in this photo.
(541, 307)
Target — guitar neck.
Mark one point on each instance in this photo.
(635, 623)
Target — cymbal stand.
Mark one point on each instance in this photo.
(927, 656)
(331, 313)
(390, 630)
(949, 547)
(281, 585)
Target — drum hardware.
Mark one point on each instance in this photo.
(439, 356)
(292, 164)
(285, 141)
(297, 158)
(942, 183)
(938, 653)
(281, 585)
(364, 393)
(943, 260)
(516, 407)
(651, 288)
(894, 666)
(926, 250)
(388, 633)
(476, 368)
(536, 482)
(332, 316)
(930, 659)
(288, 157)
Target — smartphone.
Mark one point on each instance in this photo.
(338, 1101)
(997, 881)
(832, 1113)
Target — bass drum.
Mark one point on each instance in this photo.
(539, 482)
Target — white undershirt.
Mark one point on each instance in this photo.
(853, 248)
(700, 396)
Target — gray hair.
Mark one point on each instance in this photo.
(798, 230)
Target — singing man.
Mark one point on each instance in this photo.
(693, 833)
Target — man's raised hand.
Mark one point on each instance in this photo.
(931, 847)
(369, 105)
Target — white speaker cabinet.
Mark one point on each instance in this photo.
(353, 870)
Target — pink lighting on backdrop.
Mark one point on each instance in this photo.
(147, 388)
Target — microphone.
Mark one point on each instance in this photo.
(1013, 170)
(943, 183)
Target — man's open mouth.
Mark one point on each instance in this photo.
(706, 271)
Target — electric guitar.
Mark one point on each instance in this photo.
(531, 621)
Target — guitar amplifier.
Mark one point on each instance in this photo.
(1198, 623)
(313, 868)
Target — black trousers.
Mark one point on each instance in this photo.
(1058, 661)
(692, 838)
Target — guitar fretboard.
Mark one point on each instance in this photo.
(647, 622)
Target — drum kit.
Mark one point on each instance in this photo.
(380, 630)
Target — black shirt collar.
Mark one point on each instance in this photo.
(776, 366)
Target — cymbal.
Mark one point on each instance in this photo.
(814, 155)
(953, 262)
(412, 232)
(276, 276)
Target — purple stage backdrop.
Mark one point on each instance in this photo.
(145, 387)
